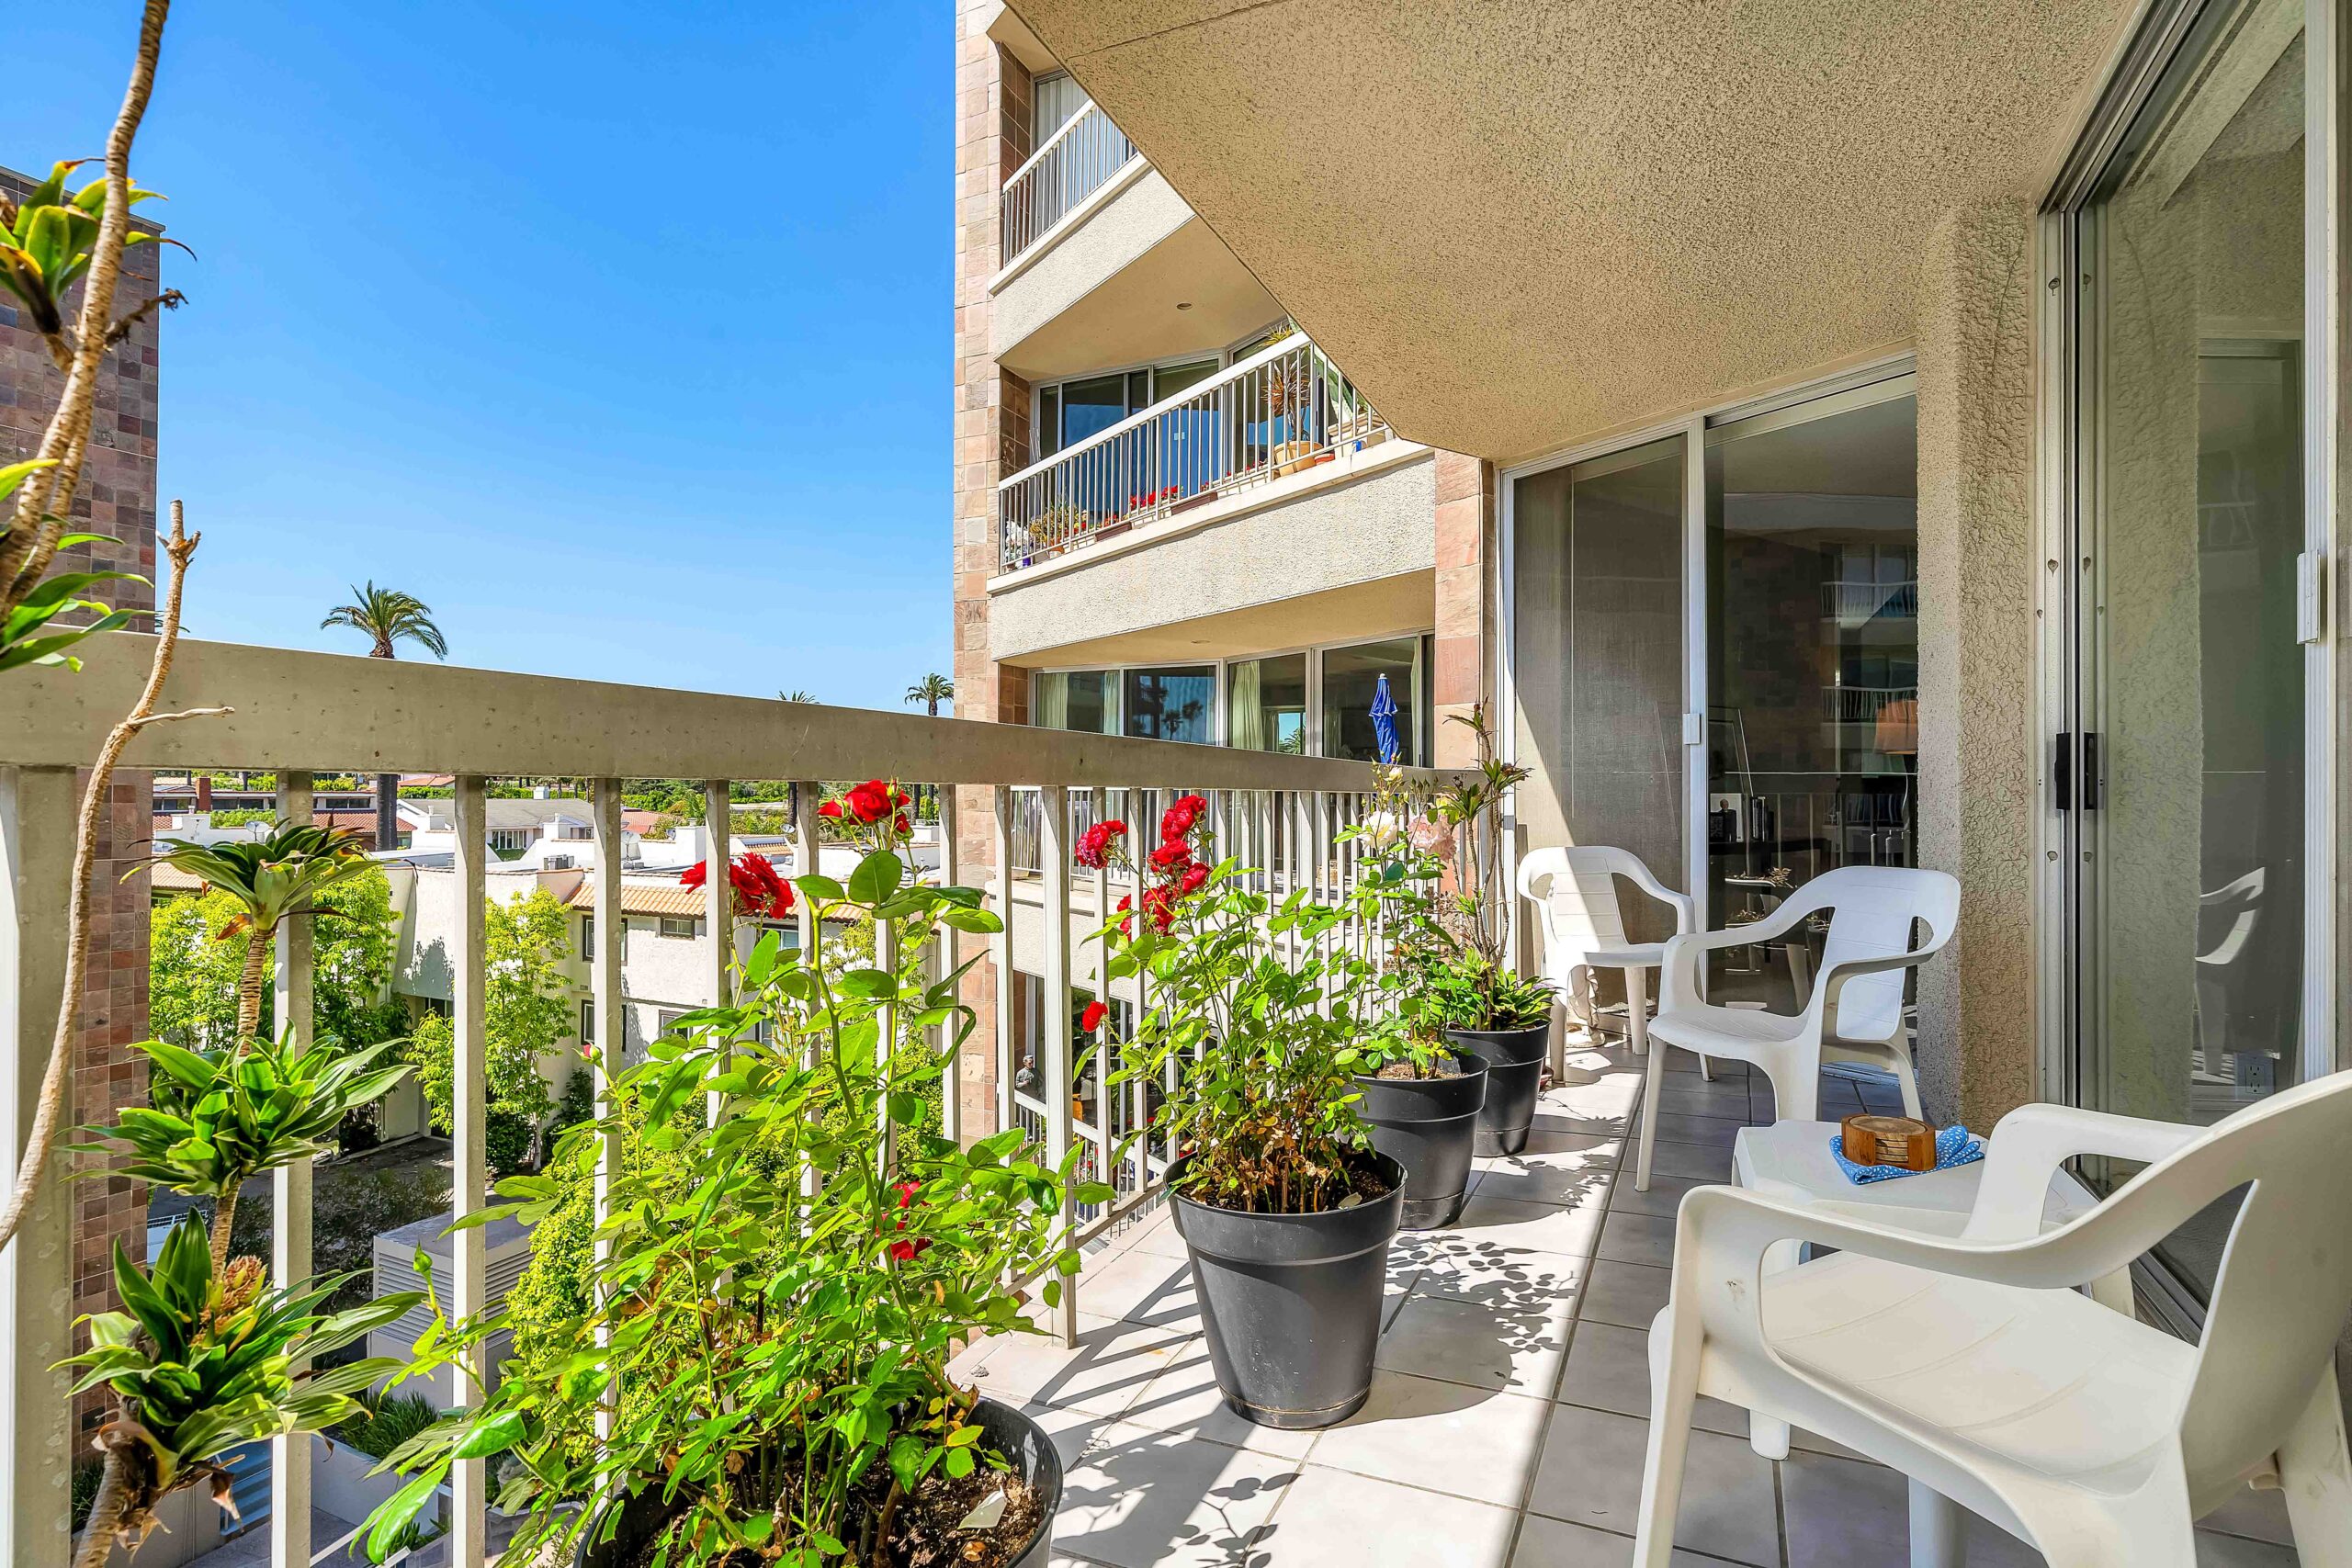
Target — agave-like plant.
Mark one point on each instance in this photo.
(28, 632)
(216, 1119)
(272, 877)
(201, 1359)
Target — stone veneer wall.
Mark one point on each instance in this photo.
(116, 498)
(1465, 617)
(992, 432)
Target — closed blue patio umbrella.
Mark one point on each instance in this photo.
(1384, 721)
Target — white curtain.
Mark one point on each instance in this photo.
(1053, 702)
(1245, 727)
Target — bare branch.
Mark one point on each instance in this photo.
(169, 299)
(42, 503)
(52, 1109)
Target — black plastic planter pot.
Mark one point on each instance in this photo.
(1292, 1301)
(1428, 1125)
(1514, 1059)
(1003, 1430)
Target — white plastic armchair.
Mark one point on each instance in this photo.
(1855, 1013)
(1974, 1365)
(1575, 893)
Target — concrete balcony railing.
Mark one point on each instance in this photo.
(1078, 160)
(300, 714)
(1284, 410)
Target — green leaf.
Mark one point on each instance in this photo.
(876, 878)
(503, 1430)
(823, 889)
(391, 1516)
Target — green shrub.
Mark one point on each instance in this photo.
(391, 1420)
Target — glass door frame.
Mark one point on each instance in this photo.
(1892, 375)
(2067, 587)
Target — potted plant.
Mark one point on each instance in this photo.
(1418, 1093)
(1469, 993)
(793, 1253)
(1284, 1207)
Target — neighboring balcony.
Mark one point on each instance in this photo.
(1078, 160)
(1283, 412)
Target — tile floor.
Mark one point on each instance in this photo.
(1509, 1404)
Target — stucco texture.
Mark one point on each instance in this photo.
(1979, 780)
(1523, 221)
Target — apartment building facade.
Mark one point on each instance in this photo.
(1176, 516)
(1917, 439)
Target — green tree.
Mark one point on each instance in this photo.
(527, 1010)
(931, 691)
(389, 616)
(194, 966)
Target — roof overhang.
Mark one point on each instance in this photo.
(1519, 222)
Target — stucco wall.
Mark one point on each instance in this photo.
(1348, 533)
(1104, 240)
(1978, 779)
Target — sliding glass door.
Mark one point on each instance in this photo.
(2182, 772)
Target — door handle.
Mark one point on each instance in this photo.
(2075, 772)
(2062, 770)
(2090, 790)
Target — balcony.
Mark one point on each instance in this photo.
(1286, 411)
(303, 714)
(1078, 160)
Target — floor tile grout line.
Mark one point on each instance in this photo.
(1575, 1320)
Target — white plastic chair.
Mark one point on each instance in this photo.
(1575, 892)
(1973, 1366)
(1855, 1011)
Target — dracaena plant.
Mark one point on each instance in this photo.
(271, 878)
(791, 1260)
(201, 1359)
(1463, 952)
(34, 629)
(215, 1119)
(1262, 1009)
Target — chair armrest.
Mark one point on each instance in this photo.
(1722, 1233)
(1686, 917)
(2033, 1141)
(1835, 979)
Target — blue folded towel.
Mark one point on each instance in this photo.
(1954, 1146)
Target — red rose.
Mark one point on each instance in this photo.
(1176, 821)
(1092, 1020)
(1172, 856)
(1159, 906)
(1195, 877)
(906, 1191)
(1125, 920)
(1192, 803)
(905, 828)
(696, 875)
(908, 1251)
(869, 802)
(1093, 850)
(831, 808)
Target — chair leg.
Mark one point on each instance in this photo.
(1674, 1391)
(1907, 1078)
(2316, 1472)
(1637, 1009)
(1939, 1530)
(1767, 1435)
(1653, 1087)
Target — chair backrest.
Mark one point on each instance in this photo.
(1873, 908)
(2286, 1278)
(1575, 892)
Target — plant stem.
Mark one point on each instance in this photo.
(51, 1108)
(106, 1511)
(881, 1558)
(250, 983)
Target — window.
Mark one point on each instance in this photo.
(1352, 679)
(1265, 703)
(678, 926)
(1054, 98)
(510, 840)
(1170, 704)
(588, 939)
(588, 1021)
(1069, 412)
(665, 1019)
(1083, 700)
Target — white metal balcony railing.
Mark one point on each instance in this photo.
(302, 714)
(1855, 603)
(1862, 704)
(1077, 160)
(1282, 411)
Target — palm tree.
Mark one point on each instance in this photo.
(270, 878)
(387, 615)
(931, 691)
(798, 695)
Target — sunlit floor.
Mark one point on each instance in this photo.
(1506, 1418)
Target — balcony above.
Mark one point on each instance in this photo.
(1080, 158)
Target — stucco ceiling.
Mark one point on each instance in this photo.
(1519, 222)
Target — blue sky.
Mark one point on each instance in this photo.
(617, 332)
